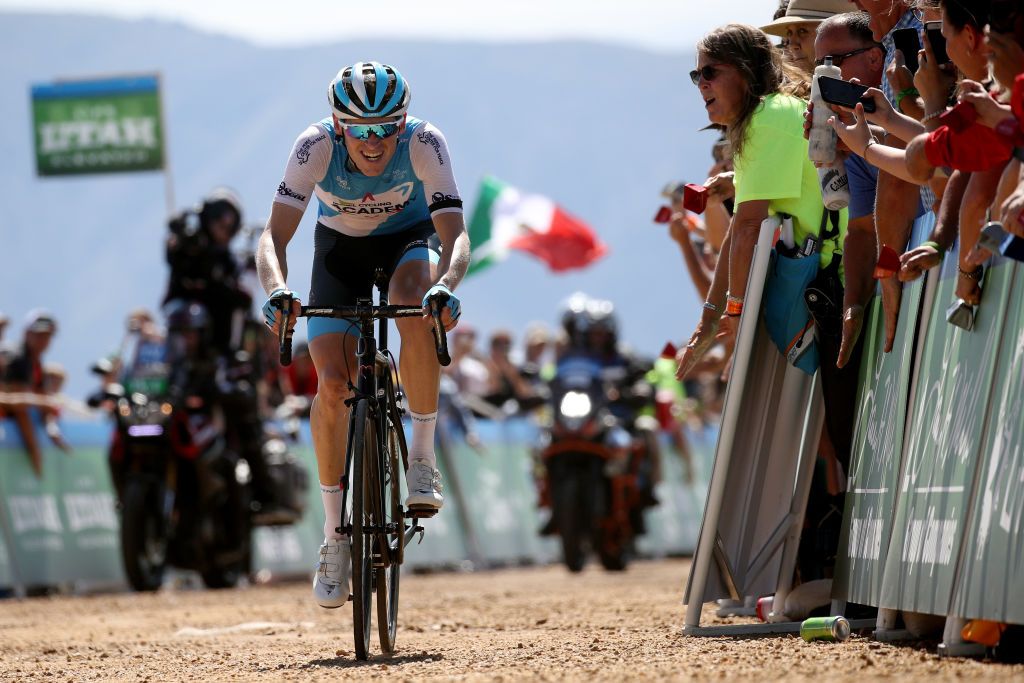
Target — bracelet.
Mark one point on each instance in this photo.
(708, 306)
(864, 154)
(734, 305)
(906, 92)
(934, 245)
(934, 115)
(971, 274)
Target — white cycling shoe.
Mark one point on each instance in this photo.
(330, 583)
(424, 486)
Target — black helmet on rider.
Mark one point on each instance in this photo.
(574, 319)
(601, 327)
(184, 316)
(221, 214)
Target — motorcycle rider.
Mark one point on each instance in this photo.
(206, 272)
(591, 331)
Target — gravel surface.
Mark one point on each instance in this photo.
(532, 623)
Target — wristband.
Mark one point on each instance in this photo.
(906, 92)
(934, 245)
(734, 305)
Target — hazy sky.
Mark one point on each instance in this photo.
(657, 24)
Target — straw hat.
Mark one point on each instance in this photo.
(801, 11)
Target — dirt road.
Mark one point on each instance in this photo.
(531, 623)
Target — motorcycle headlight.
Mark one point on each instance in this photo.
(575, 404)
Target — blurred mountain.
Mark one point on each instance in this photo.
(598, 128)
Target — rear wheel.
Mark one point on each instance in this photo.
(143, 537)
(362, 483)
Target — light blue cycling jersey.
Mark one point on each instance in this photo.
(417, 184)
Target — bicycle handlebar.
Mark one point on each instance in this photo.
(362, 313)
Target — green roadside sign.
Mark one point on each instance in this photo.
(110, 125)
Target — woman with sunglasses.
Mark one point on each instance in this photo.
(384, 187)
(756, 95)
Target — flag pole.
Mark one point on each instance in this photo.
(168, 179)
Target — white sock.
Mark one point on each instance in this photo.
(331, 495)
(422, 447)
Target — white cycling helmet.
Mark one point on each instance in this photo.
(368, 90)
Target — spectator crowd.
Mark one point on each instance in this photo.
(931, 145)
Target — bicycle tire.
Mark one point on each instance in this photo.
(389, 576)
(364, 448)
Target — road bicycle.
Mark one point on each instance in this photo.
(376, 460)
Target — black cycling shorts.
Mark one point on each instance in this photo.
(344, 267)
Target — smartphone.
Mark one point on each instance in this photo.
(960, 117)
(907, 41)
(933, 31)
(961, 314)
(695, 197)
(844, 93)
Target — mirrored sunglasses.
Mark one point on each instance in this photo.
(362, 131)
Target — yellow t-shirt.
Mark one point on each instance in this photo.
(774, 166)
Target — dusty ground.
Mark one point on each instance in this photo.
(533, 623)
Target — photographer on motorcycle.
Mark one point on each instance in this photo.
(205, 272)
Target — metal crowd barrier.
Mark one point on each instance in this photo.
(62, 530)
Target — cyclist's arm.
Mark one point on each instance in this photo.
(432, 164)
(307, 163)
(271, 259)
(451, 228)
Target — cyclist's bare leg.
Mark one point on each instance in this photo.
(333, 356)
(420, 370)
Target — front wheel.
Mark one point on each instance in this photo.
(364, 452)
(570, 519)
(388, 576)
(143, 536)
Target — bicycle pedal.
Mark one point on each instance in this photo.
(422, 511)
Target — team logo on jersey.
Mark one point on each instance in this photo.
(286, 191)
(302, 153)
(430, 140)
(370, 204)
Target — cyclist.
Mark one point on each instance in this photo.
(384, 186)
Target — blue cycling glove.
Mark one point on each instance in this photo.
(448, 299)
(273, 305)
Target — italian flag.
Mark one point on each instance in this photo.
(506, 218)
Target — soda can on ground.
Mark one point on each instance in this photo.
(833, 629)
(764, 607)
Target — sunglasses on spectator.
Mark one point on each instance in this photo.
(837, 60)
(708, 73)
(362, 131)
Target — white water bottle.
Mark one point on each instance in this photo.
(822, 140)
(835, 185)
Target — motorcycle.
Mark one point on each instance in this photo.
(184, 490)
(597, 472)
